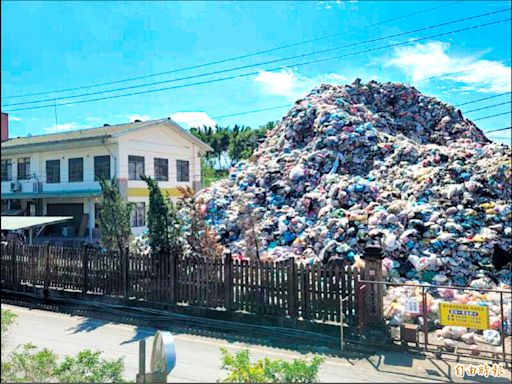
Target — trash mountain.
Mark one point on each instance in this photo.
(371, 162)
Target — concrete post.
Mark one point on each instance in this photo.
(373, 272)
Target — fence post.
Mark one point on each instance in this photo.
(125, 265)
(293, 289)
(228, 280)
(373, 272)
(85, 268)
(14, 269)
(173, 259)
(46, 284)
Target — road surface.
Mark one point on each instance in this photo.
(198, 357)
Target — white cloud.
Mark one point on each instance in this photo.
(14, 118)
(63, 127)
(422, 61)
(292, 85)
(93, 119)
(193, 119)
(339, 4)
(138, 117)
(283, 83)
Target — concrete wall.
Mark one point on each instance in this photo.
(157, 142)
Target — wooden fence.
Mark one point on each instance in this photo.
(286, 289)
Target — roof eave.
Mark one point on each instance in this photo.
(10, 150)
(190, 136)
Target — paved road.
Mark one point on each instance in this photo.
(198, 357)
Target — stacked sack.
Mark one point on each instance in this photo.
(380, 162)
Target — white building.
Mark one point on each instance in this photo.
(56, 174)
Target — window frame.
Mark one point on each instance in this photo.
(26, 164)
(8, 164)
(137, 217)
(96, 166)
(161, 177)
(136, 159)
(179, 171)
(70, 169)
(52, 177)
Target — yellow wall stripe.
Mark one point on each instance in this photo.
(144, 192)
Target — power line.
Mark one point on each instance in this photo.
(288, 105)
(233, 58)
(258, 64)
(253, 111)
(464, 71)
(498, 130)
(488, 117)
(268, 70)
(482, 99)
(489, 106)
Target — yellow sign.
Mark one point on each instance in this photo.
(464, 315)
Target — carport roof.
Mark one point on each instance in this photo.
(12, 223)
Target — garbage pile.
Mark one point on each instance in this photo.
(376, 162)
(397, 312)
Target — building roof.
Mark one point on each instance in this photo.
(97, 133)
(52, 194)
(12, 223)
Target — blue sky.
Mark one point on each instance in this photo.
(48, 46)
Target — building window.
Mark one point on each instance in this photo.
(53, 171)
(135, 167)
(15, 204)
(7, 170)
(5, 205)
(161, 169)
(97, 208)
(76, 169)
(182, 170)
(101, 167)
(24, 168)
(138, 216)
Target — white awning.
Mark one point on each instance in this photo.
(12, 223)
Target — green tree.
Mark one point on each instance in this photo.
(114, 218)
(245, 140)
(163, 223)
(241, 370)
(237, 143)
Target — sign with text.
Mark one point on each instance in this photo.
(464, 315)
(412, 305)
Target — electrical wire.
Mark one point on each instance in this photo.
(233, 58)
(487, 107)
(253, 111)
(257, 64)
(464, 71)
(482, 99)
(488, 117)
(268, 70)
(498, 130)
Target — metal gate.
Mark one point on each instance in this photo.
(459, 321)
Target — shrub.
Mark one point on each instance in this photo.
(7, 320)
(241, 370)
(31, 365)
